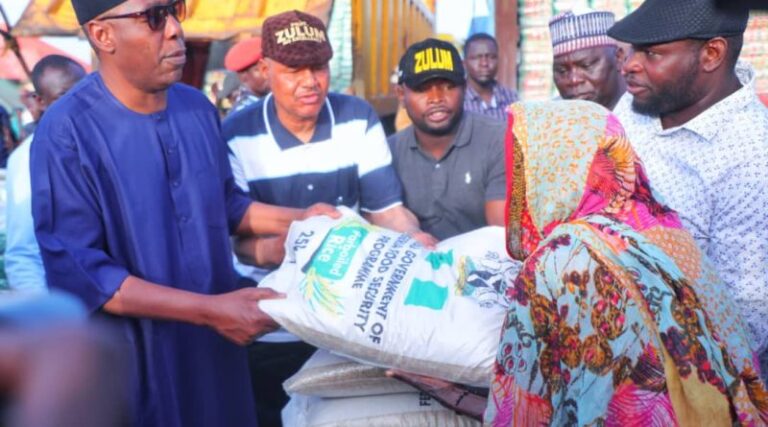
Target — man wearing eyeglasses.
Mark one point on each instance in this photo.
(134, 201)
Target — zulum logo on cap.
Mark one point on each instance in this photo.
(432, 58)
(299, 32)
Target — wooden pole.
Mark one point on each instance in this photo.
(508, 37)
(12, 43)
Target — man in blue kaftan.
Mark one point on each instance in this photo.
(134, 201)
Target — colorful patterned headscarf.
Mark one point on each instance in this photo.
(566, 160)
(617, 318)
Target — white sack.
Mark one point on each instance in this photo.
(328, 375)
(380, 297)
(402, 410)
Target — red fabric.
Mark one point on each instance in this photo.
(509, 155)
(764, 98)
(243, 54)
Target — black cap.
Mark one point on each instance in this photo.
(662, 21)
(86, 10)
(430, 59)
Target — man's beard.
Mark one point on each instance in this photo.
(445, 130)
(671, 97)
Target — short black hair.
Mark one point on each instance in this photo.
(476, 37)
(56, 62)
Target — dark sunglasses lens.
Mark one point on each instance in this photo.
(179, 10)
(156, 17)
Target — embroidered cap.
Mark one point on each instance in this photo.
(86, 10)
(296, 39)
(576, 30)
(430, 59)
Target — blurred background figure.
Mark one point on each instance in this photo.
(7, 138)
(587, 63)
(226, 95)
(56, 369)
(484, 95)
(245, 59)
(52, 77)
(32, 110)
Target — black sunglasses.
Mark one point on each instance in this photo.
(156, 15)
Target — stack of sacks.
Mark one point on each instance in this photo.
(381, 298)
(332, 391)
(328, 375)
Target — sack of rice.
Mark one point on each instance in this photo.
(380, 297)
(403, 410)
(328, 375)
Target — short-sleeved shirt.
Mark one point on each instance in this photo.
(118, 193)
(448, 195)
(346, 162)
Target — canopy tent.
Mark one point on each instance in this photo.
(207, 19)
(32, 50)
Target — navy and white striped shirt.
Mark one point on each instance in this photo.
(347, 161)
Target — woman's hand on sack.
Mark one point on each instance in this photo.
(430, 385)
(321, 209)
(236, 315)
(429, 241)
(451, 395)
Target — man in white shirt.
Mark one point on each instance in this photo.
(52, 76)
(694, 118)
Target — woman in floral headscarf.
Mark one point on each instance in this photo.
(617, 318)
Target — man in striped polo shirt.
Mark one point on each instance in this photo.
(299, 146)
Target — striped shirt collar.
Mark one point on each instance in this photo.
(284, 138)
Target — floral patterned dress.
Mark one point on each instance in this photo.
(617, 318)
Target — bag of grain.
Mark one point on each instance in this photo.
(328, 375)
(402, 410)
(380, 297)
